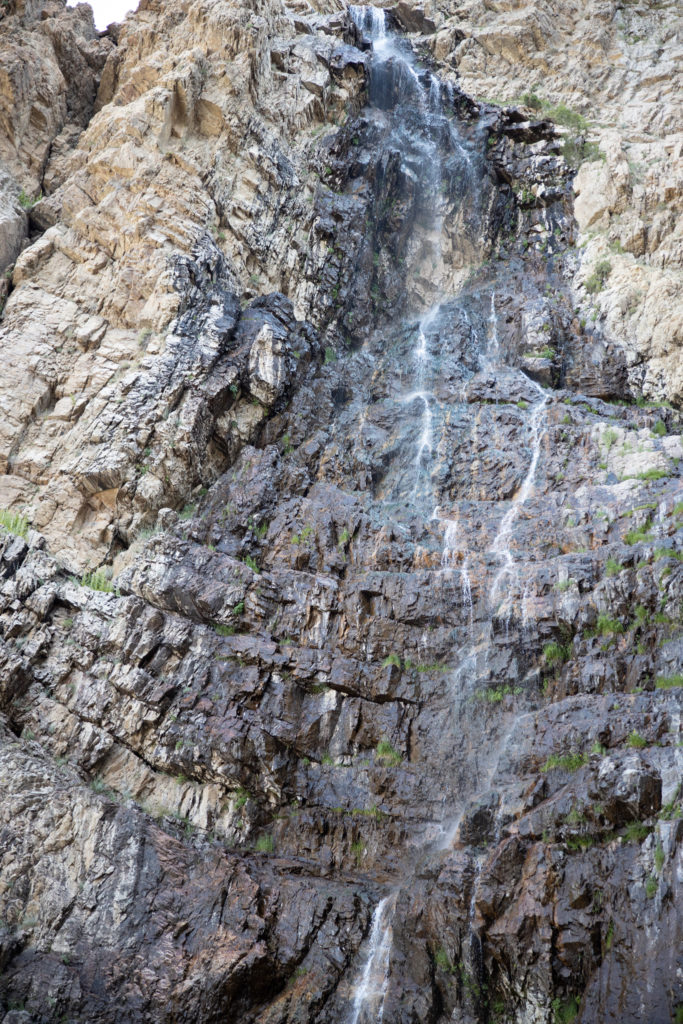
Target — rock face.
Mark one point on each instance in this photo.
(341, 584)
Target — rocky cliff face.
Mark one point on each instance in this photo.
(341, 605)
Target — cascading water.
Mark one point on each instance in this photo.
(409, 105)
(368, 1001)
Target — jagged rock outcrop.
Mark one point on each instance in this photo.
(341, 548)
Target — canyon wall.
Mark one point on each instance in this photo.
(341, 521)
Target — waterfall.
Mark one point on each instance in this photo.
(409, 105)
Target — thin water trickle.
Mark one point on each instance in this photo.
(502, 542)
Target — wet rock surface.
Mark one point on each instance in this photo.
(341, 642)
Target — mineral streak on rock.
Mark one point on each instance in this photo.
(341, 517)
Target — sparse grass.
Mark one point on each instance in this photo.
(249, 561)
(544, 353)
(638, 536)
(580, 842)
(651, 887)
(13, 522)
(96, 580)
(222, 630)
(659, 429)
(563, 585)
(188, 511)
(636, 741)
(392, 659)
(659, 857)
(358, 849)
(27, 202)
(609, 936)
(443, 961)
(641, 614)
(669, 682)
(668, 553)
(265, 844)
(385, 752)
(565, 762)
(609, 438)
(496, 695)
(241, 797)
(612, 567)
(653, 474)
(605, 626)
(672, 809)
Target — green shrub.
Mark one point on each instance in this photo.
(596, 281)
(531, 100)
(563, 585)
(650, 887)
(13, 522)
(249, 561)
(653, 474)
(556, 654)
(659, 429)
(392, 659)
(659, 857)
(612, 567)
(265, 844)
(561, 114)
(330, 355)
(564, 1012)
(385, 752)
